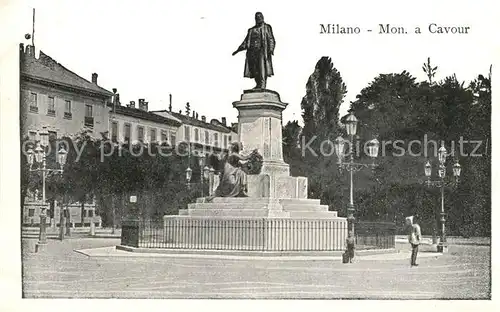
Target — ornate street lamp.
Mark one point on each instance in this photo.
(339, 146)
(441, 183)
(40, 157)
(339, 149)
(351, 123)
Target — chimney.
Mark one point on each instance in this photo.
(170, 102)
(132, 104)
(30, 50)
(203, 118)
(196, 115)
(94, 78)
(223, 120)
(143, 105)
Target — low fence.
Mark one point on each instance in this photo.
(375, 235)
(254, 234)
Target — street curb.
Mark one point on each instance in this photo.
(263, 254)
(120, 252)
(110, 252)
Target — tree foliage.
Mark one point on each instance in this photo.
(320, 106)
(396, 109)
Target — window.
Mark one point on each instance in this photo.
(91, 213)
(51, 106)
(152, 133)
(67, 109)
(127, 132)
(89, 119)
(186, 133)
(67, 106)
(172, 139)
(196, 135)
(114, 131)
(88, 110)
(84, 213)
(33, 102)
(207, 138)
(32, 136)
(140, 134)
(230, 139)
(225, 141)
(31, 212)
(216, 139)
(164, 136)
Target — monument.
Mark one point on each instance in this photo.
(275, 214)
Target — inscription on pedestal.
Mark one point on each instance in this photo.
(266, 150)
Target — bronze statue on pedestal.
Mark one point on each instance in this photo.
(259, 44)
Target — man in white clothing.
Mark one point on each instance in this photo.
(414, 237)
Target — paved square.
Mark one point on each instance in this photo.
(59, 272)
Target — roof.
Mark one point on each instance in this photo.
(145, 115)
(47, 69)
(196, 122)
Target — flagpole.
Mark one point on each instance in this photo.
(33, 30)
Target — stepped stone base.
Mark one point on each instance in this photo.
(259, 208)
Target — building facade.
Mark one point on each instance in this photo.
(54, 97)
(129, 124)
(209, 137)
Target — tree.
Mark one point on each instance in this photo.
(325, 92)
(320, 106)
(429, 70)
(395, 106)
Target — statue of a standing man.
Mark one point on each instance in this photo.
(259, 44)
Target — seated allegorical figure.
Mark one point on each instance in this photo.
(233, 181)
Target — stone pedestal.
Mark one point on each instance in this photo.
(260, 127)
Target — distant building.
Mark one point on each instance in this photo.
(131, 124)
(57, 98)
(211, 137)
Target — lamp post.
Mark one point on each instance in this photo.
(39, 156)
(204, 171)
(351, 126)
(441, 183)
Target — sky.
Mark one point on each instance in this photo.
(149, 49)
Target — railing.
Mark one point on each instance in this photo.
(256, 234)
(375, 235)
